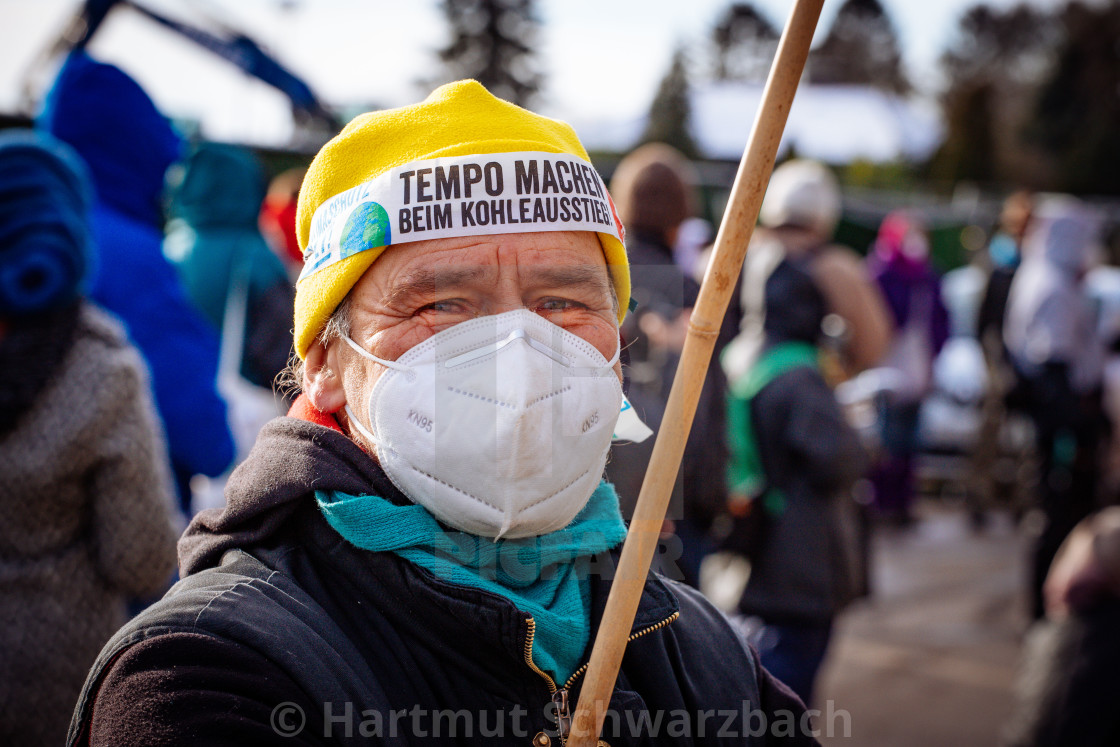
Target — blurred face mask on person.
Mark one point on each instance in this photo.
(482, 372)
(915, 245)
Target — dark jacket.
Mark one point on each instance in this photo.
(280, 623)
(660, 287)
(129, 146)
(808, 567)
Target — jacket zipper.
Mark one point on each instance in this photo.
(560, 694)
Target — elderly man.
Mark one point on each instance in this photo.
(422, 550)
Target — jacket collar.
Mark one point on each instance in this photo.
(302, 409)
(441, 614)
(270, 503)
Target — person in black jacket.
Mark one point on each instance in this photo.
(655, 192)
(1005, 252)
(1002, 397)
(1058, 356)
(421, 551)
(794, 461)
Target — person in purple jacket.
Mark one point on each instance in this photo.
(900, 265)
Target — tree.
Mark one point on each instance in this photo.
(670, 112)
(492, 42)
(861, 48)
(992, 68)
(999, 47)
(969, 149)
(1077, 114)
(743, 44)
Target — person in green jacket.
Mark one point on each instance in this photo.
(794, 459)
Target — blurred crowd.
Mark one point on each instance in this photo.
(146, 290)
(838, 372)
(143, 319)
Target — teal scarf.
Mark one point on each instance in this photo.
(540, 575)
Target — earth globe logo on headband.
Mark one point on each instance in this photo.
(367, 227)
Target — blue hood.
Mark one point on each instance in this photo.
(109, 120)
(46, 249)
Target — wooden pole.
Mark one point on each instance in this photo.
(715, 293)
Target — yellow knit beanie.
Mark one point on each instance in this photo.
(462, 162)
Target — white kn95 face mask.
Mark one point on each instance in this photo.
(498, 426)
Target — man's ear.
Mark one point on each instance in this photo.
(321, 381)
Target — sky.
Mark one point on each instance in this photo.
(603, 58)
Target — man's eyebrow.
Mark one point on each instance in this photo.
(569, 275)
(427, 280)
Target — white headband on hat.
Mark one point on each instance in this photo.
(461, 196)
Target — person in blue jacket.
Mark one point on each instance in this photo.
(128, 145)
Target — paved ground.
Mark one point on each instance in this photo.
(930, 659)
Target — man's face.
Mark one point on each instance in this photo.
(416, 290)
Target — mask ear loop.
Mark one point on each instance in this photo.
(617, 352)
(366, 354)
(388, 364)
(358, 425)
(603, 370)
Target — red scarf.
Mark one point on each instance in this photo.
(302, 409)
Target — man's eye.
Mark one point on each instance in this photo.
(447, 306)
(559, 304)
